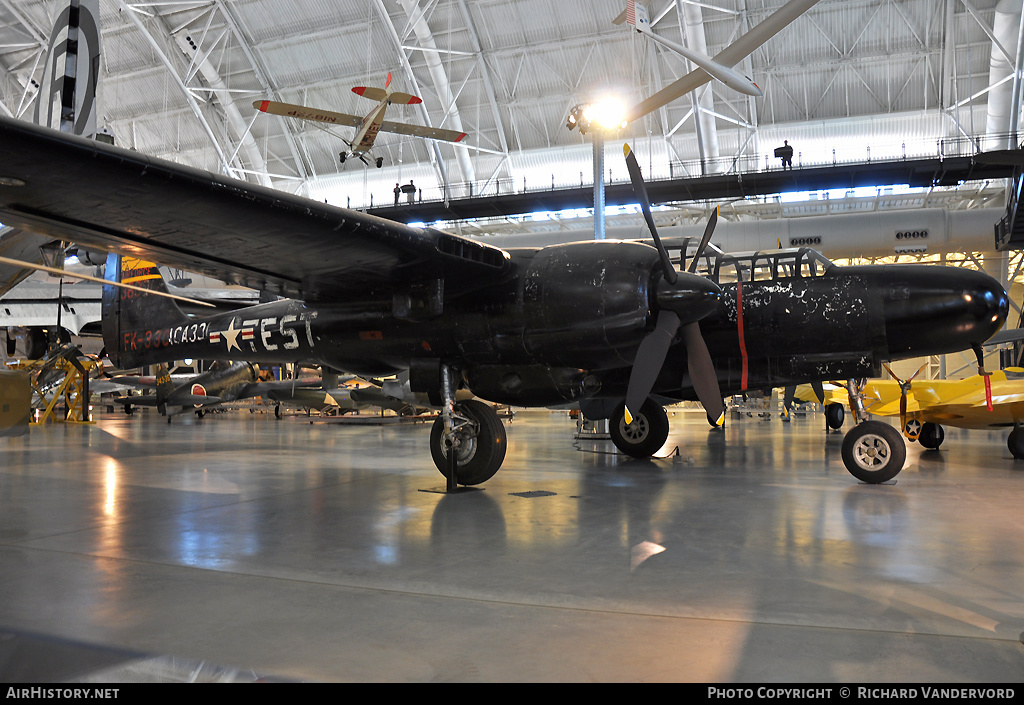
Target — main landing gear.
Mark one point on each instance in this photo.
(467, 440)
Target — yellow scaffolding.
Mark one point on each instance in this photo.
(73, 388)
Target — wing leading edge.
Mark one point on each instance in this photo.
(330, 117)
(110, 198)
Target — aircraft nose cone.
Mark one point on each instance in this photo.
(948, 309)
(982, 307)
(692, 297)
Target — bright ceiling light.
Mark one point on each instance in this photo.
(608, 112)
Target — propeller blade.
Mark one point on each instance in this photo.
(819, 391)
(650, 356)
(640, 189)
(703, 375)
(892, 374)
(690, 297)
(708, 230)
(788, 393)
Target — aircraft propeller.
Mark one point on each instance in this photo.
(904, 391)
(683, 299)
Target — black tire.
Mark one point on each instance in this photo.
(380, 162)
(1015, 442)
(931, 436)
(482, 444)
(277, 411)
(874, 452)
(646, 435)
(835, 414)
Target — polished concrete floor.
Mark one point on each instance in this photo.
(241, 547)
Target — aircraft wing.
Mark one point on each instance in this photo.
(105, 197)
(433, 133)
(304, 113)
(332, 118)
(730, 56)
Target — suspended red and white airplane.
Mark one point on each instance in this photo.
(367, 126)
(719, 67)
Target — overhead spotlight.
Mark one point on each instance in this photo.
(577, 118)
(605, 114)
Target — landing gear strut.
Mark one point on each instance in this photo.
(467, 441)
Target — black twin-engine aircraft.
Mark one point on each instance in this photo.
(611, 325)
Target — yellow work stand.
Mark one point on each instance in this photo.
(73, 387)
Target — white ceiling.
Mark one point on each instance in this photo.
(178, 80)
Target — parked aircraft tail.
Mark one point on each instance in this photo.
(134, 323)
(164, 387)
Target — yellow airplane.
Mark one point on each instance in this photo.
(926, 405)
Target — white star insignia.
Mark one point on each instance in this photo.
(231, 335)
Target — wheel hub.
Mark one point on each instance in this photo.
(871, 452)
(635, 432)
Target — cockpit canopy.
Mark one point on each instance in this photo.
(762, 265)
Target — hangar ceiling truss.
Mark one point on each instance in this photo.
(178, 79)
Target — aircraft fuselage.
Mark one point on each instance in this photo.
(565, 324)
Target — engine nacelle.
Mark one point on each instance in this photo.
(587, 302)
(532, 385)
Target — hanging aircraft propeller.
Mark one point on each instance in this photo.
(683, 299)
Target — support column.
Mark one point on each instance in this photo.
(598, 138)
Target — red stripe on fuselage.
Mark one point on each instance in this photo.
(739, 326)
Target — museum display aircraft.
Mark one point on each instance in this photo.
(635, 15)
(924, 406)
(352, 395)
(367, 126)
(721, 65)
(523, 326)
(222, 383)
(65, 100)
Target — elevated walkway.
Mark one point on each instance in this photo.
(947, 171)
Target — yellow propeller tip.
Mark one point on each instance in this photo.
(625, 149)
(629, 418)
(720, 420)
